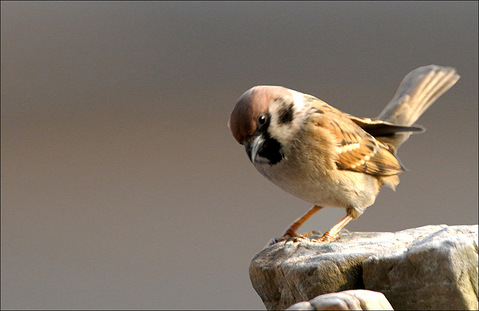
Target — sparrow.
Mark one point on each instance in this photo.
(327, 157)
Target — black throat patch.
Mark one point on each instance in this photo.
(270, 149)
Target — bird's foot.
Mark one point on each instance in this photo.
(326, 238)
(323, 239)
(296, 238)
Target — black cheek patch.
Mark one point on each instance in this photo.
(285, 114)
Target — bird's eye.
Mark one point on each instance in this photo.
(261, 119)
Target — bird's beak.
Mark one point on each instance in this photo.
(253, 147)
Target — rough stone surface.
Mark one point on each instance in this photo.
(358, 299)
(438, 272)
(421, 268)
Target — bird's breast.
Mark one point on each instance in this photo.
(310, 183)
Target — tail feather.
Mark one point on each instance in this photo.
(416, 93)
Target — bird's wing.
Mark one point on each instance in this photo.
(386, 132)
(356, 149)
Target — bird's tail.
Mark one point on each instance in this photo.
(416, 93)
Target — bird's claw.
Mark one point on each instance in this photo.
(297, 238)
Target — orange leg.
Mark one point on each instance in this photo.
(331, 233)
(291, 231)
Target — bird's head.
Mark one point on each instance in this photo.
(266, 120)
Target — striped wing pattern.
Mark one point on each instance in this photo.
(357, 150)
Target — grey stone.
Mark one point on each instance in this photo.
(437, 272)
(358, 299)
(415, 268)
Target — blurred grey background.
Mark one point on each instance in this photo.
(122, 187)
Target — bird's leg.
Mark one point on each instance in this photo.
(331, 233)
(291, 231)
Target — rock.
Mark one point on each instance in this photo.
(437, 272)
(420, 268)
(358, 299)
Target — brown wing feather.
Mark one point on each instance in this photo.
(357, 150)
(386, 132)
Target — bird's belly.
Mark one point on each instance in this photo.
(347, 190)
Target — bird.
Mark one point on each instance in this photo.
(327, 157)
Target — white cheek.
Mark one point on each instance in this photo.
(285, 133)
